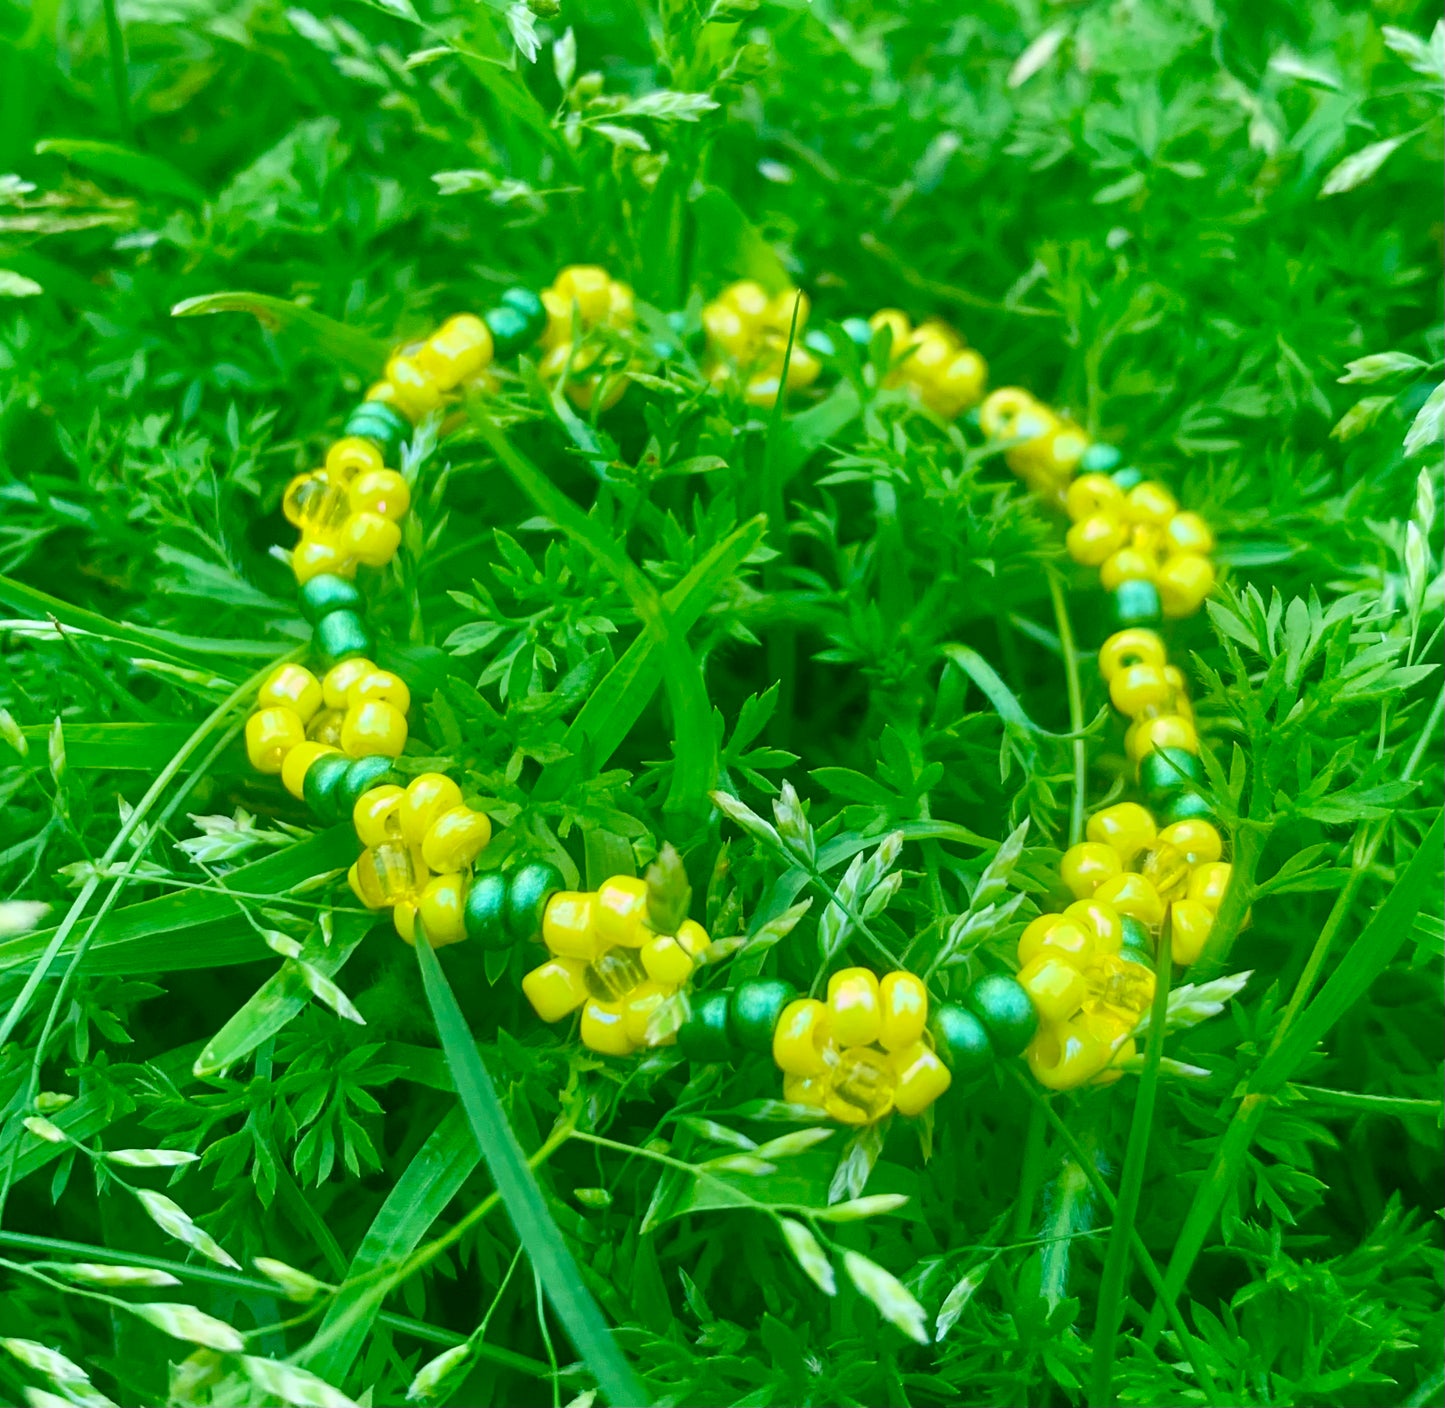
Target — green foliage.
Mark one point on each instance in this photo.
(819, 653)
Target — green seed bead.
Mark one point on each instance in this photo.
(509, 331)
(361, 776)
(1128, 477)
(327, 593)
(1186, 805)
(1136, 934)
(485, 913)
(530, 308)
(341, 635)
(858, 331)
(704, 1036)
(753, 1013)
(1135, 603)
(1166, 771)
(961, 1041)
(528, 891)
(387, 419)
(1100, 459)
(1005, 1011)
(321, 787)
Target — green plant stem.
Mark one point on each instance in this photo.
(1249, 843)
(119, 76)
(1031, 1171)
(1076, 708)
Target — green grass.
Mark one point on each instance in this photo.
(1211, 231)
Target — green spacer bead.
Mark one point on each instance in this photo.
(342, 635)
(753, 1012)
(1186, 805)
(362, 775)
(382, 415)
(858, 331)
(1100, 459)
(704, 1036)
(528, 891)
(1128, 477)
(327, 593)
(485, 911)
(1166, 771)
(509, 331)
(961, 1041)
(321, 787)
(1005, 1011)
(1136, 933)
(1135, 604)
(530, 308)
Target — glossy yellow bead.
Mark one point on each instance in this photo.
(1135, 646)
(414, 393)
(604, 1029)
(297, 761)
(1139, 690)
(1207, 883)
(270, 735)
(379, 685)
(1057, 989)
(311, 557)
(370, 539)
(326, 727)
(291, 687)
(1104, 924)
(1189, 924)
(388, 873)
(1086, 866)
(1066, 447)
(729, 332)
(1065, 1055)
(1092, 540)
(1001, 409)
(1094, 493)
(897, 324)
(1165, 731)
(929, 351)
(620, 911)
(811, 1091)
(1135, 896)
(802, 1038)
(588, 287)
(428, 795)
(316, 505)
(1035, 932)
(1166, 869)
(920, 1078)
(382, 391)
(670, 958)
(1063, 936)
(904, 1001)
(1180, 702)
(1126, 565)
(377, 815)
(460, 348)
(354, 881)
(1150, 502)
(1198, 840)
(556, 988)
(960, 384)
(337, 681)
(856, 1007)
(403, 920)
(1126, 826)
(440, 909)
(456, 838)
(1188, 532)
(350, 456)
(1183, 582)
(638, 1010)
(374, 727)
(380, 491)
(567, 927)
(863, 1087)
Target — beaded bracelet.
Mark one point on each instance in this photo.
(621, 954)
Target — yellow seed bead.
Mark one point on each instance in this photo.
(1165, 867)
(388, 873)
(403, 920)
(614, 973)
(298, 761)
(428, 795)
(270, 735)
(604, 1029)
(379, 684)
(1093, 540)
(1068, 1054)
(960, 384)
(1094, 493)
(1127, 827)
(374, 727)
(1103, 922)
(620, 911)
(1189, 924)
(1198, 840)
(351, 456)
(1166, 731)
(1183, 582)
(311, 557)
(1066, 447)
(810, 1091)
(588, 287)
(380, 491)
(779, 312)
(1001, 409)
(1058, 934)
(856, 1007)
(863, 1087)
(1086, 866)
(337, 681)
(559, 319)
(326, 727)
(904, 1001)
(315, 505)
(1208, 883)
(669, 958)
(440, 909)
(728, 331)
(1135, 896)
(354, 880)
(377, 815)
(1135, 646)
(638, 1009)
(414, 393)
(460, 348)
(921, 1078)
(1150, 502)
(1057, 989)
(556, 988)
(1035, 932)
(897, 323)
(1126, 565)
(370, 539)
(802, 1038)
(1188, 532)
(1139, 690)
(291, 687)
(567, 927)
(456, 838)
(382, 391)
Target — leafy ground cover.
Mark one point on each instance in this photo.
(1211, 230)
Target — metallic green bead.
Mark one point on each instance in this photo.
(509, 331)
(341, 635)
(485, 912)
(704, 1036)
(1005, 1011)
(321, 787)
(753, 1013)
(362, 774)
(858, 331)
(961, 1040)
(1135, 603)
(1128, 477)
(528, 891)
(1166, 771)
(327, 593)
(530, 308)
(386, 418)
(1136, 934)
(1186, 805)
(1100, 459)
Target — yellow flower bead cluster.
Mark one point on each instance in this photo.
(581, 299)
(747, 333)
(1049, 448)
(420, 842)
(354, 709)
(1141, 535)
(349, 511)
(1149, 691)
(934, 363)
(862, 1053)
(605, 959)
(421, 375)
